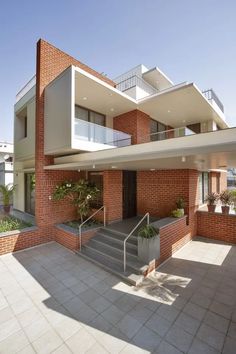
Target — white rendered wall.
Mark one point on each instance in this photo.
(58, 113)
(24, 148)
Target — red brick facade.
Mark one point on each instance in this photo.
(216, 226)
(135, 123)
(70, 240)
(112, 194)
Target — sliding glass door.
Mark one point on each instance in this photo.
(30, 193)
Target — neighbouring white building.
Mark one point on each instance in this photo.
(6, 163)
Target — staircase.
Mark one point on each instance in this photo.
(106, 249)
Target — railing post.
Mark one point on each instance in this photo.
(124, 256)
(104, 216)
(80, 238)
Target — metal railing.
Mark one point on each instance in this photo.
(99, 134)
(211, 95)
(135, 81)
(168, 134)
(131, 233)
(28, 86)
(89, 218)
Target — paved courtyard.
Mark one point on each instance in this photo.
(52, 301)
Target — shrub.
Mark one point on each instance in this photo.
(80, 193)
(9, 223)
(148, 231)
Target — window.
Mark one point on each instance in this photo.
(25, 126)
(89, 116)
(203, 186)
(97, 179)
(157, 127)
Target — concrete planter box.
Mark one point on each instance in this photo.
(149, 248)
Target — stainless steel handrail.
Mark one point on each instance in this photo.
(81, 225)
(130, 234)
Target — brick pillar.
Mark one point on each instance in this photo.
(50, 63)
(112, 194)
(135, 123)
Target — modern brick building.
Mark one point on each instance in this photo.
(142, 139)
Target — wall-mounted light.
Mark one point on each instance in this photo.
(84, 98)
(93, 166)
(152, 169)
(49, 197)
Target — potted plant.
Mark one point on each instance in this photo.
(180, 204)
(148, 243)
(226, 200)
(7, 193)
(211, 200)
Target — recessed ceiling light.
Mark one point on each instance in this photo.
(79, 170)
(183, 159)
(93, 166)
(113, 166)
(110, 94)
(168, 111)
(84, 98)
(152, 169)
(112, 109)
(184, 121)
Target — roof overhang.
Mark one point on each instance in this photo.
(176, 106)
(181, 105)
(207, 151)
(157, 79)
(99, 96)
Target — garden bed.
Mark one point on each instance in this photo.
(9, 223)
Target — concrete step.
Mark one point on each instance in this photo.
(118, 235)
(116, 243)
(117, 256)
(112, 266)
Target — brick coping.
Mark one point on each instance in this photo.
(216, 213)
(17, 232)
(164, 222)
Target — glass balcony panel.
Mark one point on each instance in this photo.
(95, 133)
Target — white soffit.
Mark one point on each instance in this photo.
(179, 106)
(157, 79)
(99, 96)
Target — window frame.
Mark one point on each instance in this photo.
(89, 111)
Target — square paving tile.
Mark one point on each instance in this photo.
(211, 336)
(179, 338)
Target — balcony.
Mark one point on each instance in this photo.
(99, 137)
(136, 87)
(27, 87)
(213, 98)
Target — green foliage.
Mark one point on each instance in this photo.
(212, 198)
(80, 193)
(7, 193)
(226, 197)
(148, 231)
(180, 203)
(9, 223)
(177, 213)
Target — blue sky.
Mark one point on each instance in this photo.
(190, 40)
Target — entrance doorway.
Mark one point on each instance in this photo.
(129, 194)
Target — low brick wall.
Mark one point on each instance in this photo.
(17, 240)
(217, 226)
(173, 237)
(69, 238)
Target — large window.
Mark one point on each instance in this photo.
(97, 179)
(90, 116)
(157, 127)
(203, 186)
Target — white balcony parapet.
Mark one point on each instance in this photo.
(28, 86)
(96, 133)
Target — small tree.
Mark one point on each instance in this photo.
(79, 193)
(7, 193)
